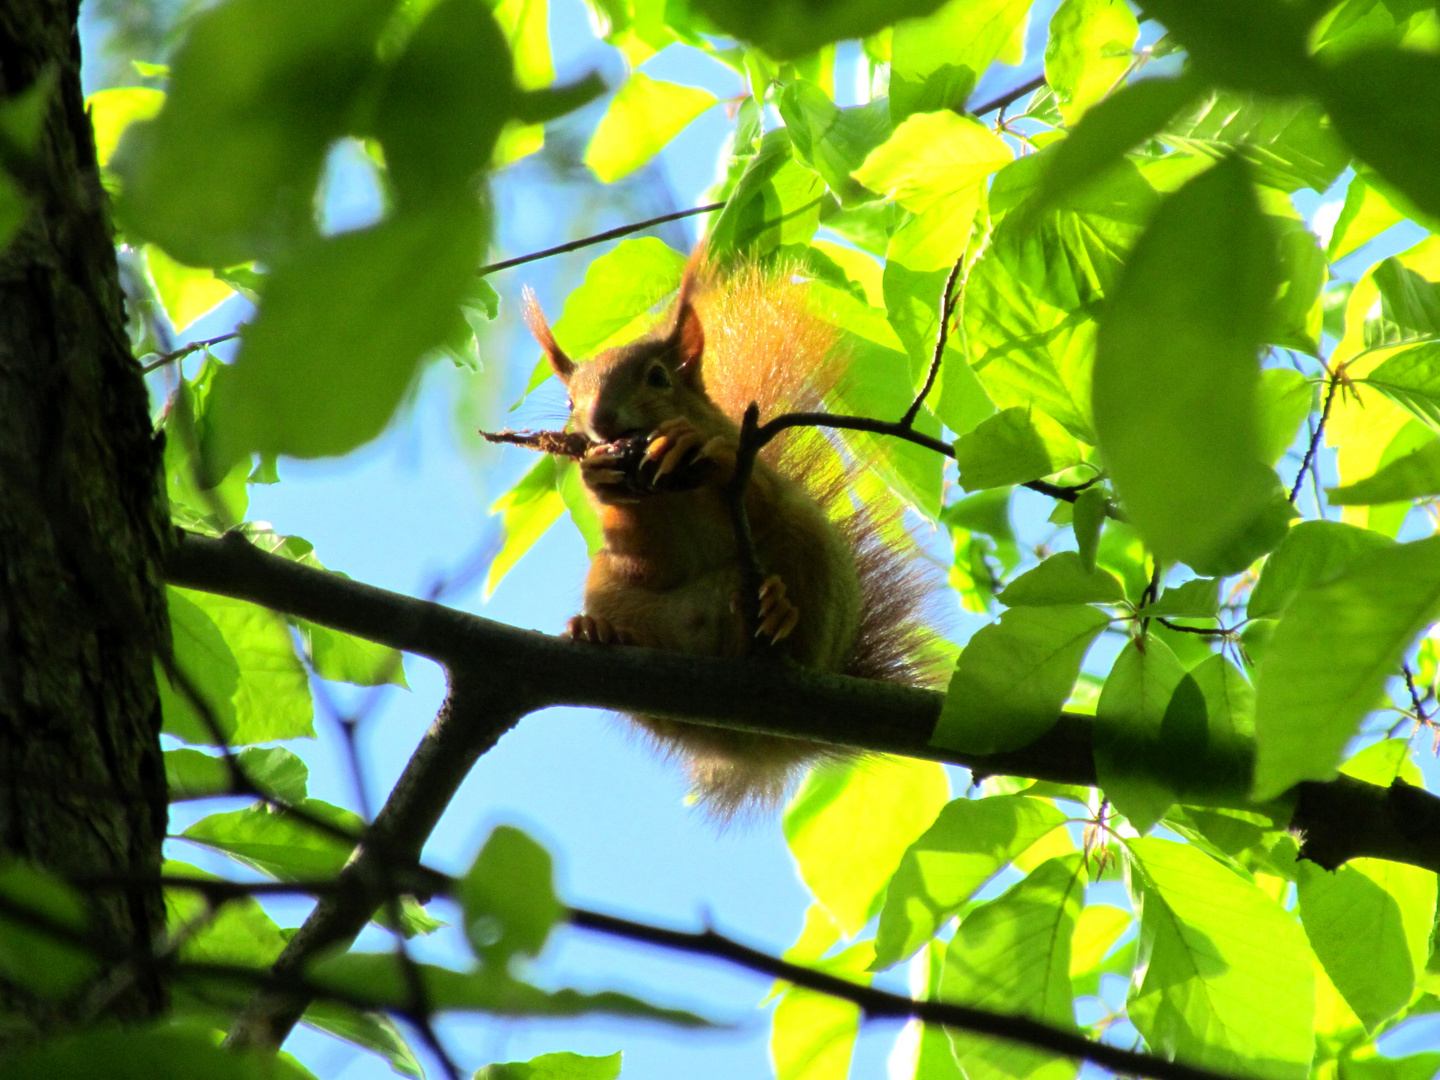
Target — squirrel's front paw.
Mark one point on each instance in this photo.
(596, 630)
(678, 444)
(604, 471)
(778, 615)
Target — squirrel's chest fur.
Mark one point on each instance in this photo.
(670, 572)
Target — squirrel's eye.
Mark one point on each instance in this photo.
(658, 377)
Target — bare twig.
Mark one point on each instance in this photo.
(1333, 380)
(1010, 96)
(947, 309)
(185, 350)
(598, 238)
(880, 1003)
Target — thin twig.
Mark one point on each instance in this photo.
(880, 1003)
(1333, 378)
(598, 238)
(947, 309)
(1221, 631)
(185, 350)
(1009, 96)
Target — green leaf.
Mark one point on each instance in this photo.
(375, 1032)
(112, 111)
(1369, 923)
(1088, 520)
(833, 141)
(786, 29)
(272, 696)
(340, 330)
(1014, 446)
(1096, 931)
(1368, 212)
(382, 981)
(775, 202)
(1386, 104)
(529, 509)
(163, 1052)
(1088, 52)
(1415, 475)
(278, 843)
(1129, 717)
(31, 957)
(1385, 762)
(848, 827)
(509, 898)
(1413, 1067)
(1032, 298)
(935, 62)
(931, 157)
(970, 842)
(1333, 649)
(1176, 371)
(1226, 980)
(13, 208)
(1198, 598)
(204, 658)
(1289, 142)
(1239, 44)
(560, 1066)
(1014, 676)
(1012, 956)
(1110, 129)
(1297, 312)
(443, 102)
(812, 1035)
(238, 932)
(1062, 579)
(257, 92)
(185, 292)
(644, 115)
(193, 774)
(1284, 399)
(346, 658)
(1411, 378)
(1262, 534)
(612, 305)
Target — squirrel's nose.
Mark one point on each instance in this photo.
(604, 425)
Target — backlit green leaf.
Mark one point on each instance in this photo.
(1415, 475)
(193, 774)
(932, 156)
(1014, 676)
(509, 897)
(775, 202)
(257, 91)
(560, 1066)
(281, 844)
(1226, 978)
(644, 115)
(833, 141)
(1284, 399)
(163, 1052)
(1386, 105)
(202, 657)
(848, 827)
(1014, 446)
(935, 62)
(272, 696)
(1240, 44)
(1012, 955)
(1369, 922)
(613, 304)
(529, 509)
(1333, 649)
(1062, 579)
(789, 28)
(1176, 371)
(112, 111)
(970, 842)
(1088, 52)
(340, 330)
(1198, 598)
(375, 1032)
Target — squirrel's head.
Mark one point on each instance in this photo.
(630, 389)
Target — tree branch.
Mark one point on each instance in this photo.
(475, 714)
(1343, 818)
(598, 238)
(879, 1003)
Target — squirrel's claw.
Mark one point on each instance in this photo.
(677, 442)
(596, 630)
(778, 616)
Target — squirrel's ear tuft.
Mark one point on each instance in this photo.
(535, 320)
(688, 335)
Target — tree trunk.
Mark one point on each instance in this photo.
(83, 525)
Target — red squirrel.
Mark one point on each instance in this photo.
(837, 595)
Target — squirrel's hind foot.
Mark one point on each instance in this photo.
(778, 615)
(596, 630)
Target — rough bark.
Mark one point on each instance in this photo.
(82, 532)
